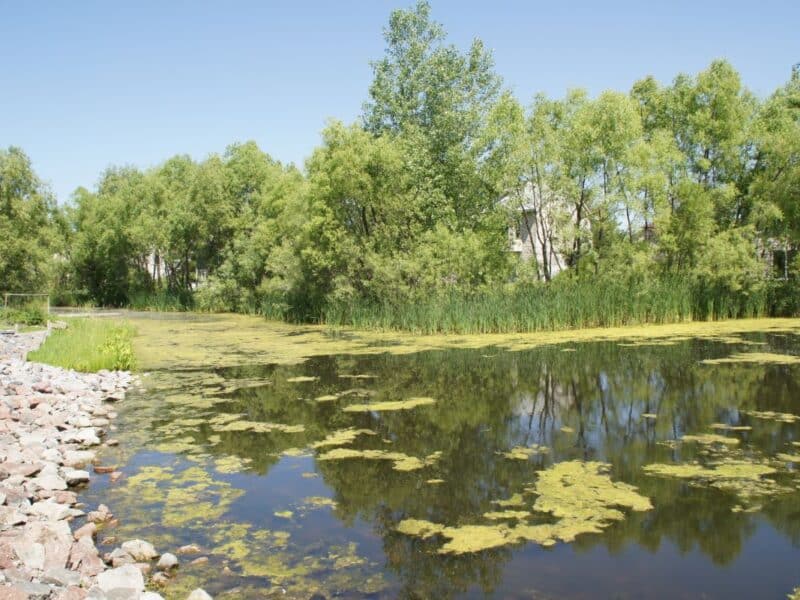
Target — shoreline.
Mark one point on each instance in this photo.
(53, 422)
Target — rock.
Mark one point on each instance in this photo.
(71, 593)
(61, 576)
(104, 469)
(50, 482)
(112, 442)
(119, 557)
(75, 476)
(115, 476)
(122, 583)
(85, 558)
(145, 568)
(32, 590)
(78, 458)
(12, 593)
(50, 510)
(189, 549)
(199, 560)
(140, 550)
(151, 596)
(160, 579)
(199, 594)
(167, 561)
(30, 553)
(90, 529)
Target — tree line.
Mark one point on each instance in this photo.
(692, 186)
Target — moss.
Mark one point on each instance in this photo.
(389, 405)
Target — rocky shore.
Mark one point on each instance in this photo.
(52, 422)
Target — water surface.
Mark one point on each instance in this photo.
(229, 458)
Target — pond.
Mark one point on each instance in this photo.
(658, 465)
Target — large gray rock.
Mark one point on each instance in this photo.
(199, 594)
(123, 583)
(140, 550)
(75, 476)
(30, 553)
(167, 561)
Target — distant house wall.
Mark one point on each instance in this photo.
(524, 225)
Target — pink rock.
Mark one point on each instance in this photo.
(89, 529)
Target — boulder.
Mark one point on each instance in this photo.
(199, 594)
(167, 561)
(140, 550)
(123, 583)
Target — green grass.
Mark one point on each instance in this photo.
(89, 345)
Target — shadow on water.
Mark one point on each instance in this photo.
(225, 458)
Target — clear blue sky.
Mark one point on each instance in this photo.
(84, 84)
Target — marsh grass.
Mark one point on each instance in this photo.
(89, 345)
(555, 306)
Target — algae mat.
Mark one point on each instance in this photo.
(197, 340)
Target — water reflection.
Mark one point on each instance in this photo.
(610, 402)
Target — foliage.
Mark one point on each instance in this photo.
(667, 202)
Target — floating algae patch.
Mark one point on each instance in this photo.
(515, 500)
(567, 429)
(525, 452)
(358, 376)
(231, 464)
(773, 416)
(326, 398)
(258, 427)
(318, 502)
(710, 438)
(743, 476)
(726, 427)
(402, 462)
(342, 437)
(506, 514)
(284, 514)
(181, 498)
(434, 481)
(761, 358)
(649, 416)
(583, 491)
(295, 452)
(579, 494)
(389, 405)
(792, 458)
(301, 379)
(194, 340)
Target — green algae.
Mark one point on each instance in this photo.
(358, 376)
(525, 452)
(326, 398)
(567, 429)
(301, 379)
(402, 462)
(506, 514)
(710, 438)
(579, 494)
(342, 437)
(284, 514)
(745, 477)
(726, 427)
(231, 464)
(649, 416)
(258, 427)
(792, 458)
(434, 481)
(773, 416)
(195, 340)
(760, 358)
(318, 502)
(390, 405)
(515, 500)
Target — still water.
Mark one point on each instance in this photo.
(413, 475)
